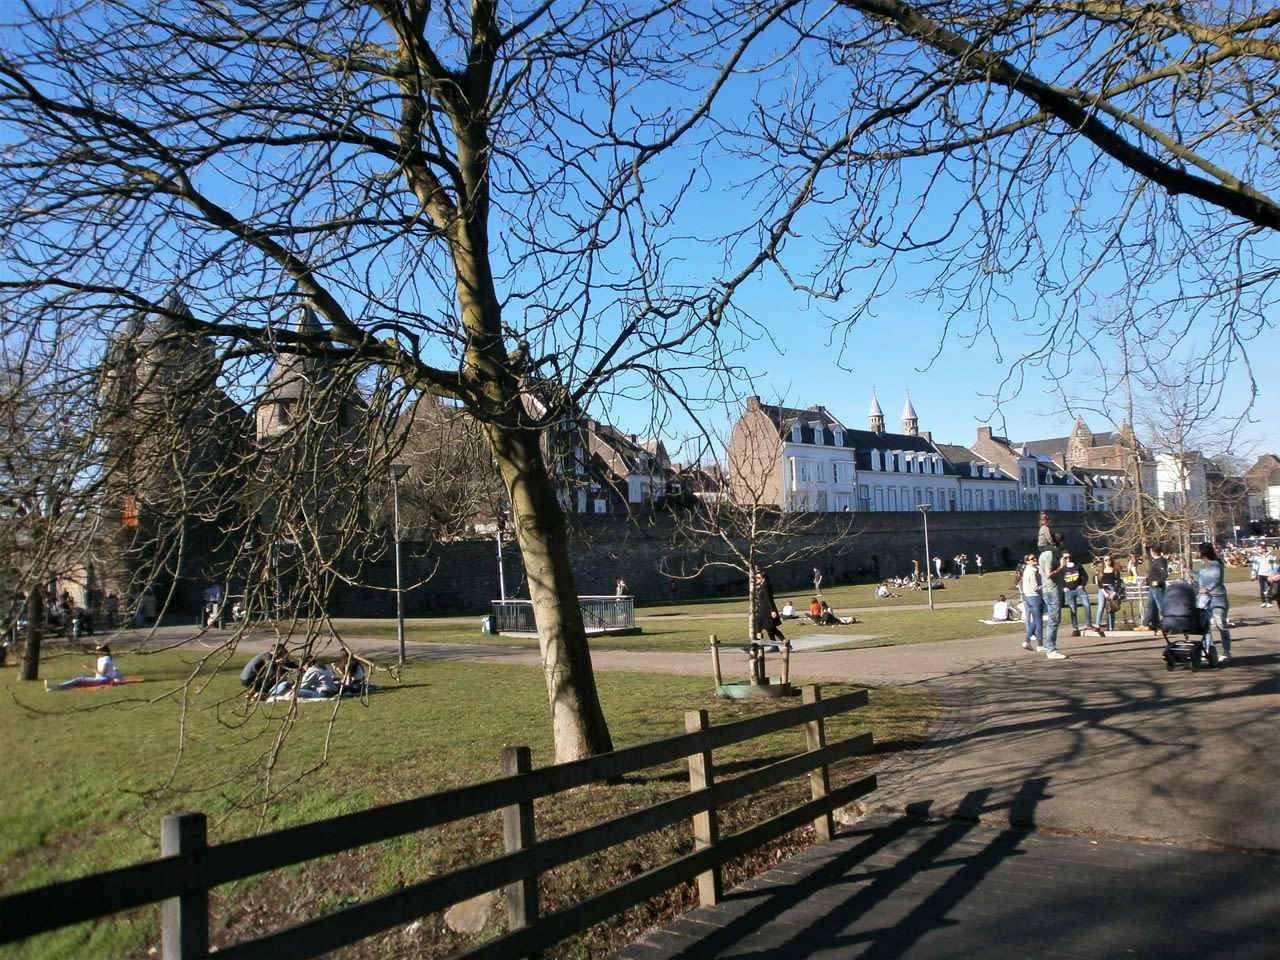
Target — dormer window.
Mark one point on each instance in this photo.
(795, 433)
(817, 433)
(837, 436)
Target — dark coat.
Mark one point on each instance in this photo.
(765, 617)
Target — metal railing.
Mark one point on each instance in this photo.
(598, 613)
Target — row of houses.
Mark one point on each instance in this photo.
(808, 459)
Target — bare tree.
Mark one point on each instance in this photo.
(462, 202)
(1024, 162)
(742, 528)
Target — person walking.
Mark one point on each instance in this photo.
(1260, 567)
(1157, 577)
(1213, 597)
(1032, 604)
(765, 617)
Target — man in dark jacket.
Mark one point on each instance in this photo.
(1157, 577)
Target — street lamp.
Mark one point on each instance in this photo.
(502, 586)
(924, 509)
(398, 470)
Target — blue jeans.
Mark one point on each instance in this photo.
(1102, 611)
(1053, 614)
(1218, 619)
(1076, 598)
(1155, 607)
(1032, 610)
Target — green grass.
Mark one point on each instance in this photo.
(688, 626)
(92, 772)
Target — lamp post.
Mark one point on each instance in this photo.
(502, 585)
(924, 509)
(398, 470)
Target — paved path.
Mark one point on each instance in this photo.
(1096, 807)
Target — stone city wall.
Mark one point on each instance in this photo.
(462, 578)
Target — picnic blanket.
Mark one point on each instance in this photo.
(288, 695)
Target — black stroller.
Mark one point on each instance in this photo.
(1181, 614)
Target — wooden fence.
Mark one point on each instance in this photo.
(189, 867)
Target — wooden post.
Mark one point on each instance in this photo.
(518, 834)
(715, 659)
(786, 662)
(184, 920)
(819, 779)
(706, 826)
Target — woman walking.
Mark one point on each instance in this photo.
(1213, 597)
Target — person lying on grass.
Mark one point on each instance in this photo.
(104, 673)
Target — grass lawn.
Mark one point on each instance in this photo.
(93, 771)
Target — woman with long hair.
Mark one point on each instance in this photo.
(1108, 581)
(1213, 597)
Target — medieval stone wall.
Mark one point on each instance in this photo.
(462, 578)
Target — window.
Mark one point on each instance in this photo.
(817, 433)
(804, 471)
(842, 473)
(837, 436)
(795, 433)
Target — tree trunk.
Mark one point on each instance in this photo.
(577, 719)
(35, 625)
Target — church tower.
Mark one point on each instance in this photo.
(1079, 445)
(910, 423)
(875, 418)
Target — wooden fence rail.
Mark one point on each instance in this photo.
(189, 868)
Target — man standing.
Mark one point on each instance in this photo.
(1260, 565)
(817, 580)
(1157, 577)
(1051, 592)
(1074, 594)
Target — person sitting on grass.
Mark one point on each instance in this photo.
(1001, 611)
(815, 608)
(104, 673)
(788, 611)
(350, 674)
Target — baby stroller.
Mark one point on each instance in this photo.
(1181, 613)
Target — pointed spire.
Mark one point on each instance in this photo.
(875, 418)
(910, 423)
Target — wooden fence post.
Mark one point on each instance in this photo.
(184, 920)
(715, 659)
(518, 834)
(819, 779)
(706, 826)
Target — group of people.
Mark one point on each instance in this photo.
(959, 565)
(1050, 579)
(275, 674)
